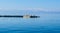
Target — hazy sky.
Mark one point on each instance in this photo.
(30, 4)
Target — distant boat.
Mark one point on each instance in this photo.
(21, 16)
(30, 16)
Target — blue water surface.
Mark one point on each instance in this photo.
(47, 23)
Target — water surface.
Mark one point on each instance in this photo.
(47, 23)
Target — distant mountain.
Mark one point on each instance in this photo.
(21, 12)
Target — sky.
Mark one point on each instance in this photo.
(45, 5)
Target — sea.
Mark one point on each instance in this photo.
(47, 23)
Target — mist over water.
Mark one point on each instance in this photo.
(47, 23)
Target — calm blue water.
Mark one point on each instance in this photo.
(47, 23)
